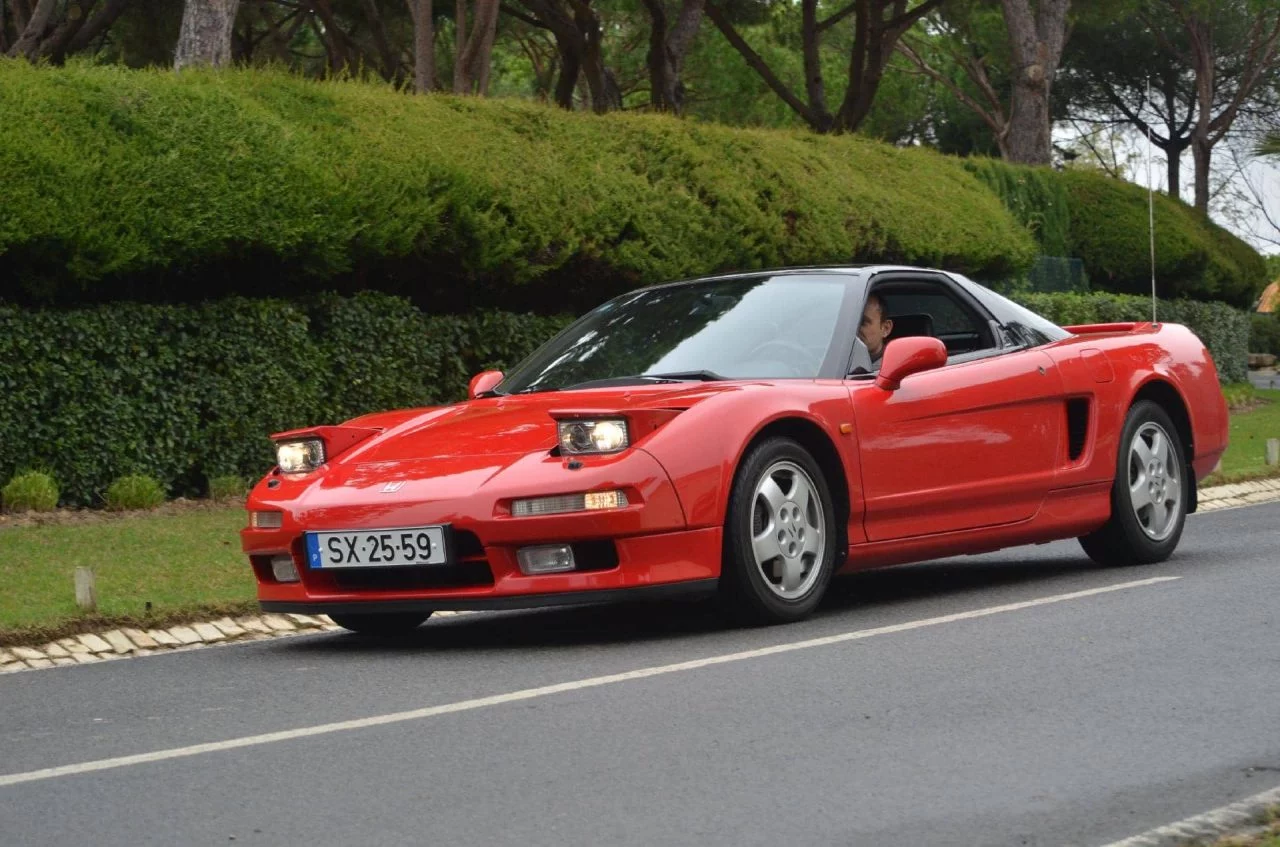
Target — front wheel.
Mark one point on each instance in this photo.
(1148, 497)
(384, 625)
(780, 535)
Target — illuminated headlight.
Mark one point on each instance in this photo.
(607, 435)
(558, 505)
(300, 456)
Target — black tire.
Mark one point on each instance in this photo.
(745, 592)
(382, 625)
(1125, 538)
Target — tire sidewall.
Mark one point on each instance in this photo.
(1146, 549)
(740, 579)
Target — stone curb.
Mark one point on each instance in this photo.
(89, 648)
(119, 643)
(1238, 494)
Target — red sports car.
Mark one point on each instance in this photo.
(748, 436)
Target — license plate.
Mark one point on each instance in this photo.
(379, 548)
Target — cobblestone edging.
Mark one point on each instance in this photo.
(120, 643)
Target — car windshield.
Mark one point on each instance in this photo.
(741, 328)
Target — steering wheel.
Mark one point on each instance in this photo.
(789, 354)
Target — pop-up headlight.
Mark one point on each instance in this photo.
(302, 456)
(603, 435)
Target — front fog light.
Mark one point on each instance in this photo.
(607, 435)
(549, 558)
(300, 456)
(283, 569)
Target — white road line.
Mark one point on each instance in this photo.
(548, 690)
(1211, 824)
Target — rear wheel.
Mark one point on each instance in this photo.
(1148, 497)
(399, 623)
(780, 535)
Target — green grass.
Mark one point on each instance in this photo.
(184, 562)
(1246, 456)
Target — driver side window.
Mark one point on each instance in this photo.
(922, 308)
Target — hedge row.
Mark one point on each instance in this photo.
(163, 186)
(1105, 222)
(189, 393)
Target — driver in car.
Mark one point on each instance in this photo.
(874, 328)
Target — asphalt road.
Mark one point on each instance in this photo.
(934, 704)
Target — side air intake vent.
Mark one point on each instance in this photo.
(1077, 427)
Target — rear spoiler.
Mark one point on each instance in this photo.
(1100, 329)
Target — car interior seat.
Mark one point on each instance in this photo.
(905, 326)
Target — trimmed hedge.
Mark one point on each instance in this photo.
(1104, 222)
(1035, 196)
(164, 186)
(188, 393)
(1222, 328)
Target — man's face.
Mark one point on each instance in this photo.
(874, 328)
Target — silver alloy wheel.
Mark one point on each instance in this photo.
(1155, 482)
(787, 538)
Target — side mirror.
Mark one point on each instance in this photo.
(906, 356)
(482, 382)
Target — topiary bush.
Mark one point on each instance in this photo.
(258, 182)
(135, 491)
(32, 491)
(1194, 257)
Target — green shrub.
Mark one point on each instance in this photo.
(1223, 329)
(1035, 196)
(200, 184)
(228, 487)
(30, 492)
(1194, 257)
(135, 491)
(1264, 333)
(1239, 394)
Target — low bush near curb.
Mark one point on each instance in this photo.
(228, 487)
(136, 491)
(30, 492)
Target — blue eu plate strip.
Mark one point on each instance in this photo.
(313, 550)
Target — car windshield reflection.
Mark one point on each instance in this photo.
(762, 327)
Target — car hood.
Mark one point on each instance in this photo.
(516, 425)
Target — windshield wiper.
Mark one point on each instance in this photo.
(682, 376)
(641, 379)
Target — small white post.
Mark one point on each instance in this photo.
(86, 593)
(1273, 451)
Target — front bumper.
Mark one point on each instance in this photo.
(490, 578)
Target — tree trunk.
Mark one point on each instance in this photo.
(205, 37)
(424, 45)
(471, 63)
(605, 95)
(28, 43)
(570, 49)
(1174, 171)
(1036, 41)
(668, 46)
